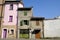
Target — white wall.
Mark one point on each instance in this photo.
(52, 28)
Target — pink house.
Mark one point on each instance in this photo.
(9, 26)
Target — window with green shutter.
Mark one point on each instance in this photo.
(25, 13)
(21, 23)
(26, 22)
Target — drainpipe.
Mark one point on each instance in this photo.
(43, 29)
(17, 26)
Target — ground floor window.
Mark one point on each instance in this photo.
(24, 33)
(11, 31)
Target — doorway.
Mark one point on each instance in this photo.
(4, 33)
(37, 33)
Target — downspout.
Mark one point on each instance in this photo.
(43, 28)
(17, 24)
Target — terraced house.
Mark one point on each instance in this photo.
(29, 26)
(17, 21)
(24, 16)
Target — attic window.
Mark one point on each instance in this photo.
(25, 13)
(37, 23)
(11, 6)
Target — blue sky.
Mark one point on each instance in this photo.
(44, 8)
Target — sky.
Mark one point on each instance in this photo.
(44, 8)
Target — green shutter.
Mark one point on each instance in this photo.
(27, 22)
(21, 23)
(25, 13)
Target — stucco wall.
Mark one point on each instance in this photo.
(29, 13)
(40, 26)
(52, 28)
(34, 26)
(9, 27)
(22, 17)
(20, 5)
(1, 1)
(8, 13)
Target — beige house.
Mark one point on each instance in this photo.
(37, 27)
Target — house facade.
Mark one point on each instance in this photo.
(24, 16)
(17, 21)
(37, 27)
(9, 25)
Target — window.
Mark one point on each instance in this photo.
(11, 6)
(12, 31)
(37, 23)
(24, 33)
(21, 23)
(25, 13)
(26, 22)
(10, 18)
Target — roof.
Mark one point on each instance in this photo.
(52, 19)
(21, 9)
(37, 18)
(8, 2)
(12, 1)
(58, 17)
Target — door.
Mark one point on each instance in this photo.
(38, 35)
(4, 33)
